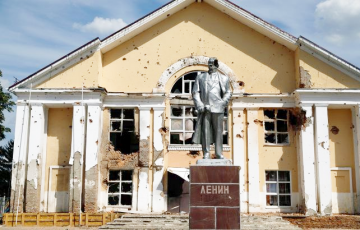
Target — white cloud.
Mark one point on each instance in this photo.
(338, 20)
(101, 25)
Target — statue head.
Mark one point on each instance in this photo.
(213, 64)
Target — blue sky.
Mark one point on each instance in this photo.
(34, 33)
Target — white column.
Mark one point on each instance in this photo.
(93, 129)
(144, 193)
(356, 135)
(239, 152)
(306, 153)
(159, 199)
(34, 161)
(253, 163)
(19, 156)
(92, 172)
(78, 132)
(77, 158)
(323, 159)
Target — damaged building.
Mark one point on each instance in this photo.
(108, 127)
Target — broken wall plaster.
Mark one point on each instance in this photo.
(305, 78)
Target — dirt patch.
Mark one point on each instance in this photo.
(332, 222)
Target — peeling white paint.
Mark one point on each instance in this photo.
(144, 123)
(93, 129)
(78, 132)
(307, 163)
(20, 147)
(253, 163)
(239, 150)
(36, 133)
(158, 188)
(143, 191)
(323, 159)
(158, 121)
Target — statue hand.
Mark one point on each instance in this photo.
(201, 109)
(207, 107)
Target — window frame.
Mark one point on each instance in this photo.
(278, 194)
(276, 132)
(120, 181)
(121, 121)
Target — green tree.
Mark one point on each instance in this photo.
(5, 104)
(6, 156)
(6, 152)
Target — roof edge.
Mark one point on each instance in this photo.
(329, 57)
(59, 61)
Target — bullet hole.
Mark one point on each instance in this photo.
(135, 48)
(241, 83)
(97, 142)
(148, 61)
(168, 15)
(145, 67)
(335, 130)
(90, 120)
(158, 63)
(124, 59)
(273, 42)
(259, 122)
(238, 136)
(139, 60)
(163, 130)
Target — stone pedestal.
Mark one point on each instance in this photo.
(214, 195)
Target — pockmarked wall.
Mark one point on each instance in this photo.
(85, 73)
(199, 30)
(323, 75)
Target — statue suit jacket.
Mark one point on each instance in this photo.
(214, 93)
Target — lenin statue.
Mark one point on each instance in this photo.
(211, 94)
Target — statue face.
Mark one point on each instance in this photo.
(212, 66)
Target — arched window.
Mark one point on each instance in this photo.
(183, 115)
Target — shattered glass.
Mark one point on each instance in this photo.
(270, 138)
(126, 175)
(116, 126)
(269, 126)
(283, 138)
(126, 187)
(281, 126)
(113, 200)
(176, 111)
(176, 124)
(114, 187)
(269, 114)
(114, 175)
(115, 113)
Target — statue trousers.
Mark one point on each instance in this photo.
(212, 122)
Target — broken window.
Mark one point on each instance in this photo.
(122, 130)
(185, 84)
(278, 188)
(183, 123)
(183, 117)
(120, 187)
(276, 126)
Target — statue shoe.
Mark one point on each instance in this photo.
(206, 156)
(220, 156)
